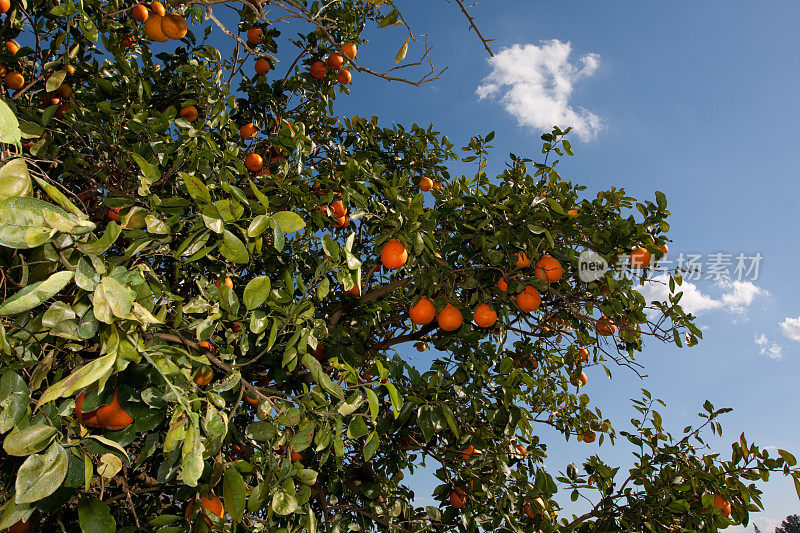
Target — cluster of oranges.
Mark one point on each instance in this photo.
(159, 25)
(335, 62)
(426, 184)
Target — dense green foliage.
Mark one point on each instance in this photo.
(174, 326)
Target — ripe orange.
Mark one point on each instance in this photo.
(174, 26)
(262, 67)
(248, 131)
(5, 5)
(350, 50)
(338, 209)
(572, 213)
(529, 299)
(355, 291)
(548, 269)
(579, 380)
(522, 450)
(206, 345)
(228, 282)
(318, 70)
(69, 68)
(189, 113)
(252, 400)
(15, 81)
(344, 77)
(522, 260)
(450, 318)
(342, 222)
(722, 504)
(605, 327)
(425, 183)
(158, 9)
(335, 61)
(211, 503)
(111, 417)
(295, 457)
(467, 452)
(12, 47)
(113, 214)
(253, 162)
(458, 498)
(589, 437)
(640, 258)
(394, 255)
(584, 353)
(422, 313)
(203, 376)
(139, 13)
(254, 36)
(64, 91)
(484, 316)
(420, 346)
(502, 283)
(437, 185)
(664, 249)
(127, 41)
(152, 27)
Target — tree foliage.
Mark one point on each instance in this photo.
(194, 340)
(790, 525)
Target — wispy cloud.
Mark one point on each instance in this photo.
(766, 347)
(535, 82)
(736, 296)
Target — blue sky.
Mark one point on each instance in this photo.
(697, 100)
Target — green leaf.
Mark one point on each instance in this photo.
(371, 445)
(83, 377)
(788, 457)
(394, 396)
(401, 54)
(259, 224)
(15, 179)
(55, 80)
(449, 416)
(40, 475)
(94, 516)
(103, 243)
(13, 400)
(29, 440)
(22, 223)
(9, 125)
(357, 428)
(109, 465)
(373, 403)
(197, 189)
(256, 292)
(233, 249)
(288, 221)
(13, 513)
(234, 493)
(36, 294)
(112, 298)
(284, 503)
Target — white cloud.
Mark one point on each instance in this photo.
(535, 82)
(791, 328)
(770, 349)
(736, 296)
(767, 525)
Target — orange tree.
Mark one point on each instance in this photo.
(211, 285)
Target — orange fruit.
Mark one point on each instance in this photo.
(437, 185)
(458, 498)
(22, 526)
(140, 13)
(548, 269)
(2, 68)
(722, 504)
(318, 70)
(579, 380)
(174, 26)
(228, 282)
(152, 27)
(355, 291)
(296, 457)
(203, 376)
(589, 437)
(15, 81)
(394, 255)
(5, 5)
(111, 417)
(420, 346)
(206, 345)
(467, 452)
(422, 313)
(12, 47)
(70, 70)
(640, 258)
(341, 222)
(484, 316)
(254, 36)
(338, 209)
(522, 450)
(522, 260)
(344, 77)
(113, 214)
(189, 113)
(572, 213)
(502, 283)
(211, 503)
(252, 400)
(335, 61)
(248, 131)
(262, 67)
(664, 249)
(64, 91)
(253, 162)
(584, 354)
(605, 327)
(529, 299)
(127, 41)
(158, 9)
(350, 50)
(425, 183)
(450, 318)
